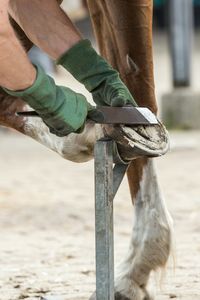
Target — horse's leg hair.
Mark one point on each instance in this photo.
(150, 242)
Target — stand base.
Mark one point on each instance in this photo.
(180, 109)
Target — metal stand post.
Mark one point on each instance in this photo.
(105, 189)
(181, 31)
(181, 105)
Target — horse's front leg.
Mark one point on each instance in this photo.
(150, 242)
(74, 147)
(124, 34)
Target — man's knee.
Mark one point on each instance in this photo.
(4, 18)
(5, 28)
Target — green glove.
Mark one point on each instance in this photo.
(99, 78)
(63, 110)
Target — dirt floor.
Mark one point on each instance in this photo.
(47, 221)
(47, 212)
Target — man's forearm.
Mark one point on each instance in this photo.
(46, 25)
(16, 71)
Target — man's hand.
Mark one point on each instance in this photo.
(99, 78)
(62, 110)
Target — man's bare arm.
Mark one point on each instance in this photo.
(16, 71)
(45, 24)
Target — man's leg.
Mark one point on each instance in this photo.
(16, 71)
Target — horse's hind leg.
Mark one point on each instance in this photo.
(151, 240)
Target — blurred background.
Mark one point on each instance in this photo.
(47, 203)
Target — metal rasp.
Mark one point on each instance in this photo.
(114, 115)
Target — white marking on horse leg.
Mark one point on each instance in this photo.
(74, 147)
(151, 239)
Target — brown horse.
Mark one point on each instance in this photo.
(124, 33)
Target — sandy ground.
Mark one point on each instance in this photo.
(47, 214)
(47, 221)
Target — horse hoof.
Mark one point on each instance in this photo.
(118, 296)
(134, 142)
(93, 297)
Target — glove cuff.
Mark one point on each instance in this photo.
(86, 65)
(37, 94)
(69, 58)
(30, 90)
